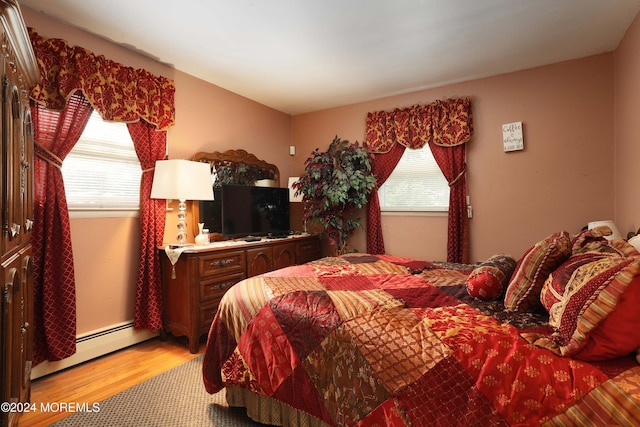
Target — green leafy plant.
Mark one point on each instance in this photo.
(333, 183)
(233, 174)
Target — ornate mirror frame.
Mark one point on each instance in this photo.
(234, 167)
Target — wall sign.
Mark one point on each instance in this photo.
(512, 136)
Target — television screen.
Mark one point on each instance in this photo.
(254, 211)
(211, 212)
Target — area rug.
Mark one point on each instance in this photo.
(174, 398)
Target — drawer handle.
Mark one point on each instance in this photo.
(221, 286)
(221, 262)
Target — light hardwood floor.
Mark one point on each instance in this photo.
(101, 378)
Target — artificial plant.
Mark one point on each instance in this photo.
(233, 174)
(333, 183)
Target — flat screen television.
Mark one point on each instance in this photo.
(211, 212)
(244, 210)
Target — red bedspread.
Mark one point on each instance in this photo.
(360, 341)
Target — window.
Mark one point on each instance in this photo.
(102, 171)
(415, 185)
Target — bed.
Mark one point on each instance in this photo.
(364, 340)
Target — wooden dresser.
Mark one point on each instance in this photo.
(194, 285)
(19, 73)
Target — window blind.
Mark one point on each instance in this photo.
(416, 184)
(102, 171)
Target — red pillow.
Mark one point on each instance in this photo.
(617, 335)
(489, 279)
(554, 287)
(598, 307)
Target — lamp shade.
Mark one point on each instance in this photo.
(615, 234)
(182, 180)
(292, 191)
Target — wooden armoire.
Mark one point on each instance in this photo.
(19, 73)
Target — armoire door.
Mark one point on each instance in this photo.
(26, 171)
(11, 165)
(10, 286)
(23, 321)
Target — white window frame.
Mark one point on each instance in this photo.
(109, 162)
(417, 174)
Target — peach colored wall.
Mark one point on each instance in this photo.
(627, 131)
(561, 180)
(208, 118)
(104, 251)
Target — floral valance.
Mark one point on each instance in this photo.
(119, 93)
(446, 123)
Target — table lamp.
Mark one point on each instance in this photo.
(182, 180)
(615, 234)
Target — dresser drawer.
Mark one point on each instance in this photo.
(222, 263)
(193, 287)
(207, 313)
(308, 250)
(214, 288)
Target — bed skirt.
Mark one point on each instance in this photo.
(266, 410)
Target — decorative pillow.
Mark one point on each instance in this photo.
(590, 241)
(617, 335)
(523, 291)
(554, 287)
(592, 293)
(625, 248)
(489, 279)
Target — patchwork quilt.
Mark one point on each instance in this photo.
(363, 340)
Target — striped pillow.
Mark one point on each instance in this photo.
(556, 284)
(523, 291)
(590, 297)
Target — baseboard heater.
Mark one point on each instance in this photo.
(95, 344)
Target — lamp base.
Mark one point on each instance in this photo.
(181, 237)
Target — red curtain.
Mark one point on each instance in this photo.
(55, 134)
(446, 126)
(122, 94)
(381, 167)
(451, 161)
(150, 146)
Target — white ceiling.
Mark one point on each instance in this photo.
(304, 55)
